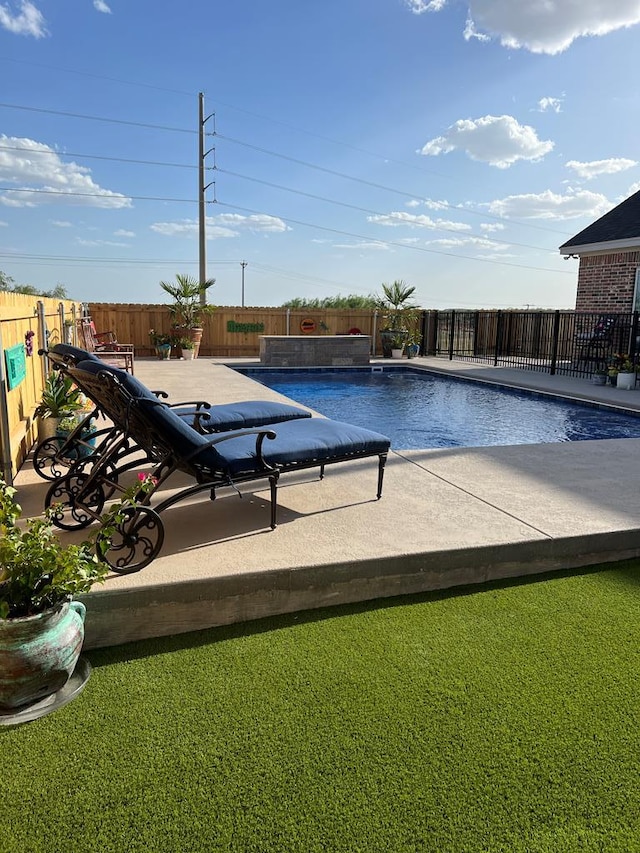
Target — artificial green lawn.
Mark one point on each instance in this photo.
(505, 719)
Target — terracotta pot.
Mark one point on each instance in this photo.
(195, 336)
(39, 653)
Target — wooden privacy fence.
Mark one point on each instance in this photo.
(229, 331)
(27, 323)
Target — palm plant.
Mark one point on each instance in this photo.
(188, 296)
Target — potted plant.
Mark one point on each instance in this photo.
(41, 627)
(412, 345)
(396, 307)
(84, 441)
(397, 345)
(60, 398)
(161, 343)
(626, 378)
(188, 348)
(189, 307)
(600, 376)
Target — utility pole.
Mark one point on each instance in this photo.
(202, 187)
(243, 265)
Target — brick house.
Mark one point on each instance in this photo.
(609, 252)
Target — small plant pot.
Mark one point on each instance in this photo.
(164, 351)
(626, 381)
(599, 379)
(396, 353)
(39, 653)
(188, 354)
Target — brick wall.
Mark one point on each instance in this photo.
(606, 282)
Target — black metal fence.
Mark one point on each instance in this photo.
(563, 342)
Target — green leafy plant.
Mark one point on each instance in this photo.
(60, 397)
(37, 571)
(159, 338)
(396, 303)
(188, 309)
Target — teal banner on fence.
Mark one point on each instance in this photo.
(16, 365)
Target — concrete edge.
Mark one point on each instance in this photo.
(121, 616)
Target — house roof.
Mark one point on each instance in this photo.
(620, 226)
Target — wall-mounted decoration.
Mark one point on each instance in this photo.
(232, 326)
(28, 342)
(16, 365)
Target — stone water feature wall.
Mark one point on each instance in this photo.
(314, 350)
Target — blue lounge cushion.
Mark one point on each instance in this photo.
(250, 413)
(302, 443)
(220, 418)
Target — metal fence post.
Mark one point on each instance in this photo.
(452, 332)
(496, 346)
(554, 342)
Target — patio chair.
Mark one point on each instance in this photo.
(595, 344)
(104, 345)
(53, 457)
(211, 461)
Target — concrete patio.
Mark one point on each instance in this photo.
(447, 517)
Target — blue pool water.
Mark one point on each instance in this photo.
(419, 410)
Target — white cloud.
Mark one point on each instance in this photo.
(498, 140)
(632, 190)
(594, 168)
(364, 245)
(470, 32)
(29, 21)
(413, 220)
(546, 105)
(3, 224)
(37, 166)
(550, 205)
(122, 233)
(492, 227)
(223, 225)
(465, 242)
(101, 6)
(61, 223)
(541, 26)
(82, 242)
(420, 6)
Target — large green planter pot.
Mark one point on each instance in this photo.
(39, 653)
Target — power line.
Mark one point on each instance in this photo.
(96, 76)
(374, 212)
(100, 157)
(99, 118)
(100, 195)
(381, 186)
(391, 242)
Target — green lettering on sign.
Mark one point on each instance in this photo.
(232, 326)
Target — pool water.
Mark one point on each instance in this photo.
(421, 410)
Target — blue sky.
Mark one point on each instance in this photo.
(353, 142)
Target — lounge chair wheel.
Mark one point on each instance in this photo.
(133, 542)
(47, 461)
(72, 507)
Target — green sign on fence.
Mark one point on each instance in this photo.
(232, 326)
(16, 364)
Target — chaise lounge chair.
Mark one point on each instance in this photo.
(212, 461)
(54, 456)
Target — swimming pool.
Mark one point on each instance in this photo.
(418, 410)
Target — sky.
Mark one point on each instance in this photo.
(451, 145)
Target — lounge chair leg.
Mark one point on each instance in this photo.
(322, 472)
(382, 461)
(273, 482)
